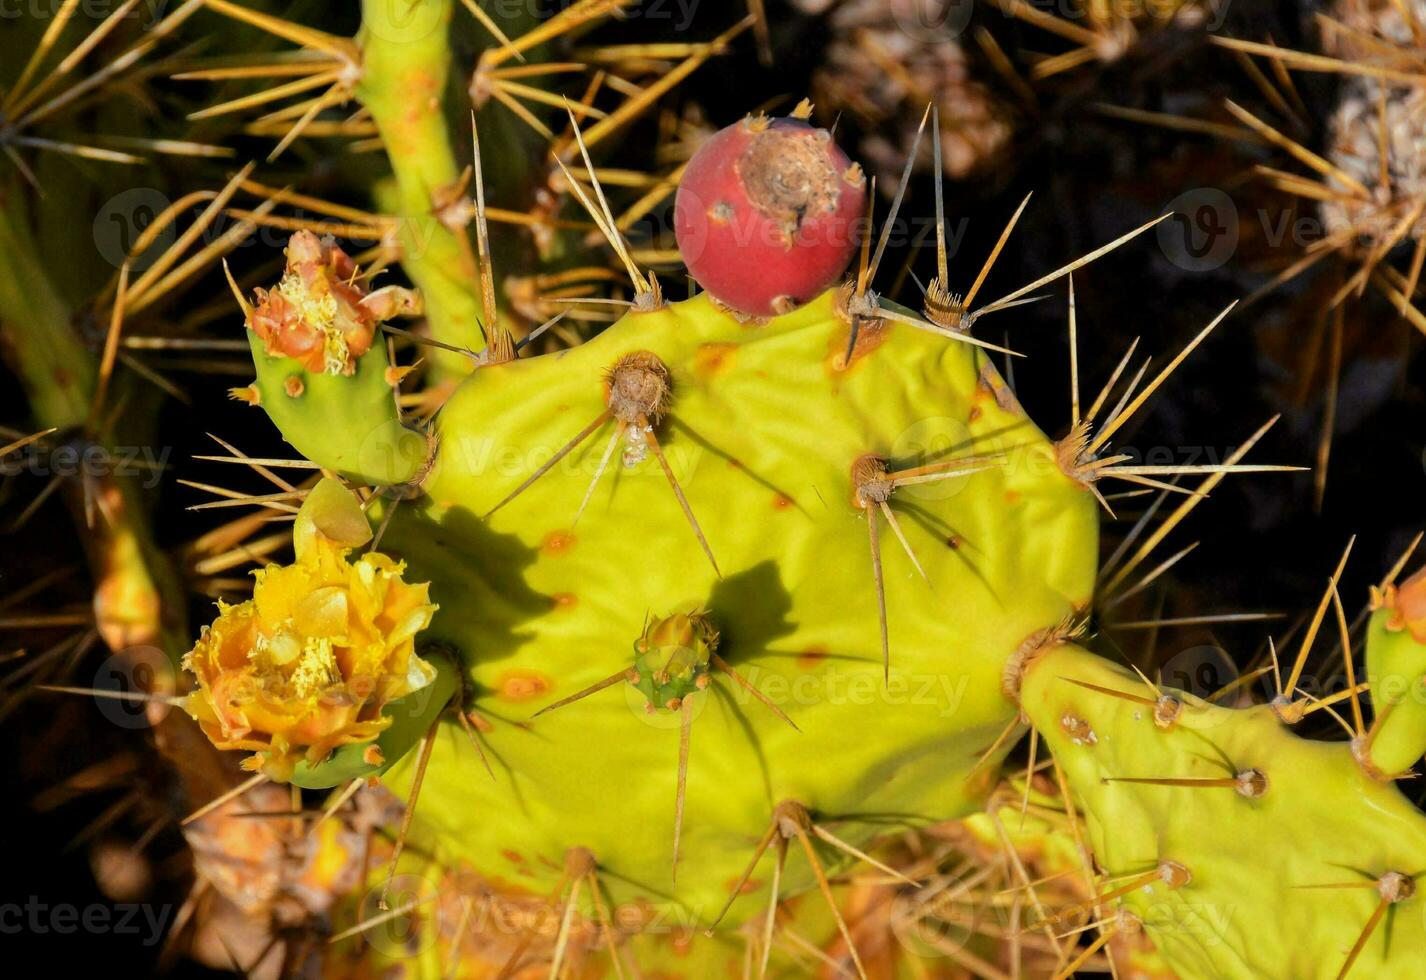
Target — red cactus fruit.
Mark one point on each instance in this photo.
(768, 214)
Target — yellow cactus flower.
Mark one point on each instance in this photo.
(308, 662)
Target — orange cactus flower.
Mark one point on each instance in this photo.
(307, 663)
(317, 313)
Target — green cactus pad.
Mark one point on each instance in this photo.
(1276, 873)
(763, 427)
(1396, 670)
(349, 424)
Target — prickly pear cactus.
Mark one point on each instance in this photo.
(1243, 849)
(762, 431)
(662, 639)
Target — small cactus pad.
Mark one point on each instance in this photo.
(1396, 670)
(1244, 850)
(322, 370)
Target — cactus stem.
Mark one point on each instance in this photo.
(226, 798)
(404, 74)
